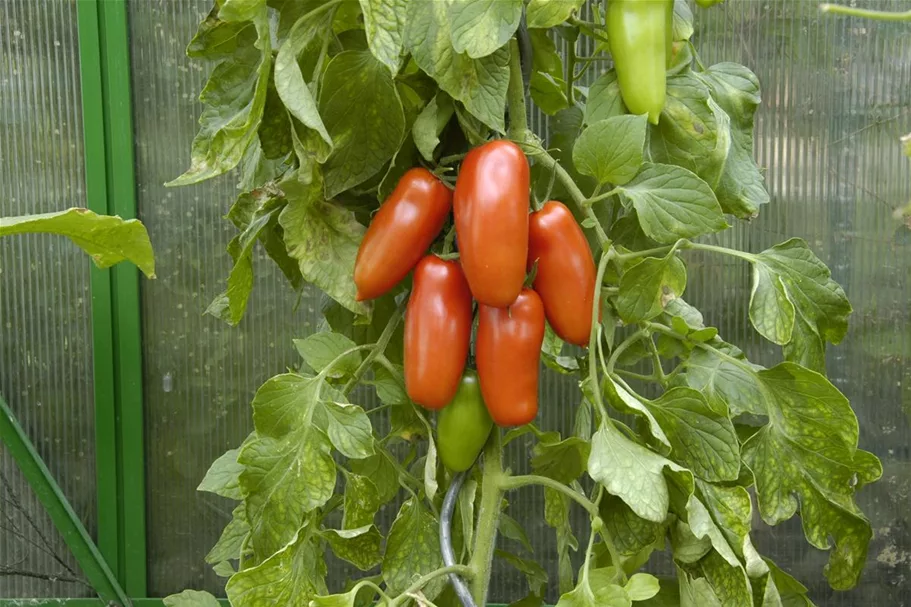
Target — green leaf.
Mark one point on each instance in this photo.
(480, 84)
(556, 515)
(512, 530)
(622, 400)
(217, 39)
(191, 598)
(242, 10)
(792, 592)
(790, 282)
(533, 572)
(807, 456)
(223, 476)
(289, 80)
(362, 500)
(604, 100)
(686, 546)
(288, 469)
(389, 389)
(611, 150)
(702, 438)
(672, 203)
(548, 13)
(108, 240)
(696, 592)
(630, 533)
(347, 599)
(735, 89)
(599, 591)
(634, 473)
(430, 123)
(412, 549)
(551, 354)
(563, 461)
(231, 541)
(223, 569)
(733, 384)
(465, 504)
(683, 20)
(234, 99)
(364, 117)
(547, 87)
(348, 428)
(320, 349)
(360, 547)
(480, 27)
(642, 586)
(324, 238)
(647, 287)
(292, 576)
(694, 132)
(384, 23)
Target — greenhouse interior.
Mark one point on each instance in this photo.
(455, 302)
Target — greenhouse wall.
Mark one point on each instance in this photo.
(836, 97)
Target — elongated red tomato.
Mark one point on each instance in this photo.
(491, 218)
(508, 349)
(400, 232)
(437, 332)
(566, 273)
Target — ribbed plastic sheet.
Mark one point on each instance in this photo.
(45, 302)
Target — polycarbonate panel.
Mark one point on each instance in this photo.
(45, 303)
(836, 96)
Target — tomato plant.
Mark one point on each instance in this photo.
(324, 107)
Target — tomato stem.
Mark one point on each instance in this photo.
(378, 349)
(515, 95)
(425, 579)
(488, 517)
(866, 13)
(514, 482)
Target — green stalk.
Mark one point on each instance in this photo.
(866, 13)
(515, 95)
(514, 482)
(488, 518)
(380, 348)
(578, 198)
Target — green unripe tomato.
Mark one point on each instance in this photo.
(463, 425)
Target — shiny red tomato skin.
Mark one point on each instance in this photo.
(490, 206)
(566, 273)
(437, 332)
(400, 233)
(507, 353)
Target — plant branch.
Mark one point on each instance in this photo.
(488, 517)
(570, 72)
(425, 579)
(594, 338)
(599, 197)
(836, 9)
(623, 346)
(657, 369)
(578, 198)
(514, 482)
(378, 349)
(515, 95)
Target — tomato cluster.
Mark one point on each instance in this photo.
(498, 243)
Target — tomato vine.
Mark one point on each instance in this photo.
(323, 108)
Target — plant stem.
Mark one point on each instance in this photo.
(654, 326)
(424, 579)
(657, 369)
(594, 338)
(378, 349)
(336, 360)
(623, 346)
(570, 72)
(866, 13)
(488, 518)
(551, 164)
(698, 246)
(515, 95)
(600, 197)
(514, 482)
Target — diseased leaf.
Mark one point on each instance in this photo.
(384, 23)
(735, 385)
(730, 583)
(232, 537)
(807, 456)
(364, 117)
(348, 428)
(480, 84)
(635, 474)
(223, 475)
(630, 533)
(412, 549)
(611, 150)
(686, 546)
(480, 27)
(362, 500)
(360, 547)
(324, 238)
(292, 576)
(622, 400)
(647, 287)
(672, 203)
(381, 471)
(696, 592)
(108, 240)
(548, 13)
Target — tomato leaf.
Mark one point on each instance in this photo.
(730, 582)
(480, 27)
(384, 22)
(364, 117)
(624, 401)
(604, 100)
(362, 500)
(231, 542)
(223, 476)
(672, 203)
(430, 123)
(191, 598)
(696, 592)
(107, 240)
(292, 575)
(360, 547)
(412, 549)
(548, 90)
(683, 20)
(611, 150)
(323, 237)
(635, 474)
(719, 378)
(548, 13)
(480, 84)
(217, 39)
(380, 469)
(348, 428)
(534, 574)
(320, 349)
(796, 303)
(563, 461)
(809, 458)
(556, 515)
(647, 287)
